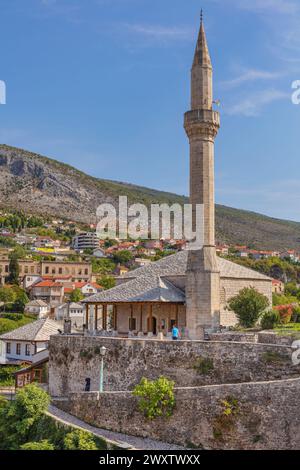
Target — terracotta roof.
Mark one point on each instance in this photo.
(79, 285)
(39, 330)
(47, 284)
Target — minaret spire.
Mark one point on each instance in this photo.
(201, 86)
(202, 56)
(202, 125)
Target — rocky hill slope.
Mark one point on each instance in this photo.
(40, 185)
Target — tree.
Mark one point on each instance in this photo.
(20, 301)
(291, 289)
(17, 418)
(7, 295)
(18, 252)
(123, 256)
(103, 265)
(156, 397)
(107, 282)
(76, 295)
(14, 271)
(110, 242)
(79, 440)
(42, 445)
(248, 306)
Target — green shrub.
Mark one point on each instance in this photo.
(18, 417)
(225, 421)
(204, 365)
(6, 375)
(42, 445)
(79, 440)
(156, 398)
(248, 306)
(12, 316)
(107, 282)
(296, 314)
(270, 320)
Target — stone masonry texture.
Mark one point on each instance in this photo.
(266, 416)
(75, 358)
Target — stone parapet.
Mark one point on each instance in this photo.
(264, 416)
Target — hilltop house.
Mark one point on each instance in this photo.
(37, 307)
(76, 313)
(29, 343)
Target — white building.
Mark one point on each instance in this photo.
(88, 288)
(76, 312)
(37, 307)
(85, 241)
(30, 279)
(29, 343)
(99, 253)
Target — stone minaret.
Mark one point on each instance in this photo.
(201, 125)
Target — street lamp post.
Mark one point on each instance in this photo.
(102, 354)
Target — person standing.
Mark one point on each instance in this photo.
(175, 333)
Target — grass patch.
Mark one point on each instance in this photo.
(272, 357)
(288, 329)
(11, 321)
(204, 365)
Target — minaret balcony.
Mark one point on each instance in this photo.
(202, 115)
(202, 121)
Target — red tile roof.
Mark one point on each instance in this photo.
(48, 284)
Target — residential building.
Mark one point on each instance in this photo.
(37, 307)
(29, 280)
(26, 266)
(222, 250)
(49, 291)
(79, 271)
(292, 255)
(74, 310)
(99, 253)
(277, 286)
(142, 261)
(153, 245)
(46, 242)
(86, 241)
(88, 288)
(29, 343)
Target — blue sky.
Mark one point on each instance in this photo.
(103, 85)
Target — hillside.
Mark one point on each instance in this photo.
(40, 185)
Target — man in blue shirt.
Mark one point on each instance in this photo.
(175, 332)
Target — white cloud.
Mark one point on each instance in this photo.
(250, 75)
(262, 6)
(160, 32)
(254, 103)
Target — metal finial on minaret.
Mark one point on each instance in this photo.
(201, 15)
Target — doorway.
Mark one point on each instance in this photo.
(152, 328)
